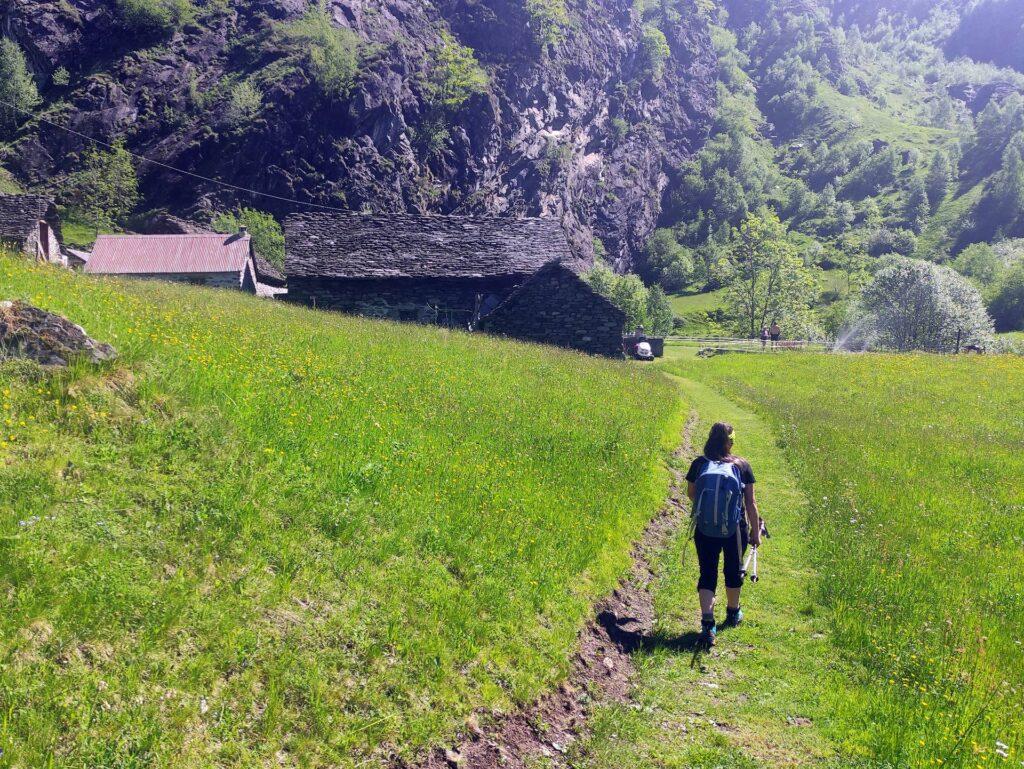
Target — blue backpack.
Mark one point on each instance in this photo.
(718, 504)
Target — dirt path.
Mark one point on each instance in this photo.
(768, 694)
(603, 670)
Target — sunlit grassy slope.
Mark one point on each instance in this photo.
(268, 536)
(912, 467)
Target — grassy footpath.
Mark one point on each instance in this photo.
(269, 536)
(912, 467)
(763, 698)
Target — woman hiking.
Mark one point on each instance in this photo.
(726, 520)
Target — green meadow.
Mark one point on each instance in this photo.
(268, 536)
(888, 629)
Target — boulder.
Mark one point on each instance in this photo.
(32, 334)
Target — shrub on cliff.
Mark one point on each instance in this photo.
(548, 19)
(149, 19)
(455, 75)
(330, 54)
(17, 90)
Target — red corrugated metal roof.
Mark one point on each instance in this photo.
(159, 254)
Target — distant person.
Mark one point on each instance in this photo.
(726, 519)
(775, 332)
(764, 337)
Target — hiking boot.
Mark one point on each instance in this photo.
(733, 617)
(708, 634)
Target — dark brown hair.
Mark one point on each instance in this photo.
(717, 447)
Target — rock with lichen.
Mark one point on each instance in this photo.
(28, 333)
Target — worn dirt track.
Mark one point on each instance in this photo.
(602, 669)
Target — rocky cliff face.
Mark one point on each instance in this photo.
(992, 30)
(579, 128)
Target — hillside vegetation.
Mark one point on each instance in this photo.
(861, 134)
(909, 465)
(269, 536)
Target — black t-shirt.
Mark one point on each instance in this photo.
(698, 465)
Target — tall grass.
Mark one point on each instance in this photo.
(271, 536)
(912, 465)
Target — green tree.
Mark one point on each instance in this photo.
(1008, 189)
(549, 20)
(18, 93)
(668, 262)
(659, 312)
(940, 177)
(105, 190)
(630, 295)
(330, 53)
(602, 280)
(918, 207)
(916, 305)
(854, 261)
(244, 103)
(769, 280)
(267, 235)
(454, 76)
(1007, 302)
(980, 263)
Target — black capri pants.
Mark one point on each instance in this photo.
(733, 548)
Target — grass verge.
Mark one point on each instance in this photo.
(910, 464)
(269, 536)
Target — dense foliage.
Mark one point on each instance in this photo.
(267, 234)
(859, 133)
(330, 54)
(151, 20)
(104, 191)
(645, 307)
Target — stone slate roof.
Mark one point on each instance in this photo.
(267, 273)
(552, 268)
(361, 246)
(19, 215)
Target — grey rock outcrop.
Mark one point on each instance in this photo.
(580, 129)
(29, 333)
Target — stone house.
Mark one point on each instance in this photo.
(29, 224)
(557, 307)
(202, 259)
(433, 269)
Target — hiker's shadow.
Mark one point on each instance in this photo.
(678, 644)
(626, 634)
(687, 643)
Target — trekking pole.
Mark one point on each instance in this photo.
(751, 560)
(752, 557)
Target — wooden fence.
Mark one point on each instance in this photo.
(713, 345)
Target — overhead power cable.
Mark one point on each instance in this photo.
(183, 172)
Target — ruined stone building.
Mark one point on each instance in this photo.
(29, 225)
(513, 277)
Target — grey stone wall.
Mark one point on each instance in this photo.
(209, 279)
(405, 299)
(557, 307)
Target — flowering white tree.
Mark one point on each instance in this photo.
(918, 305)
